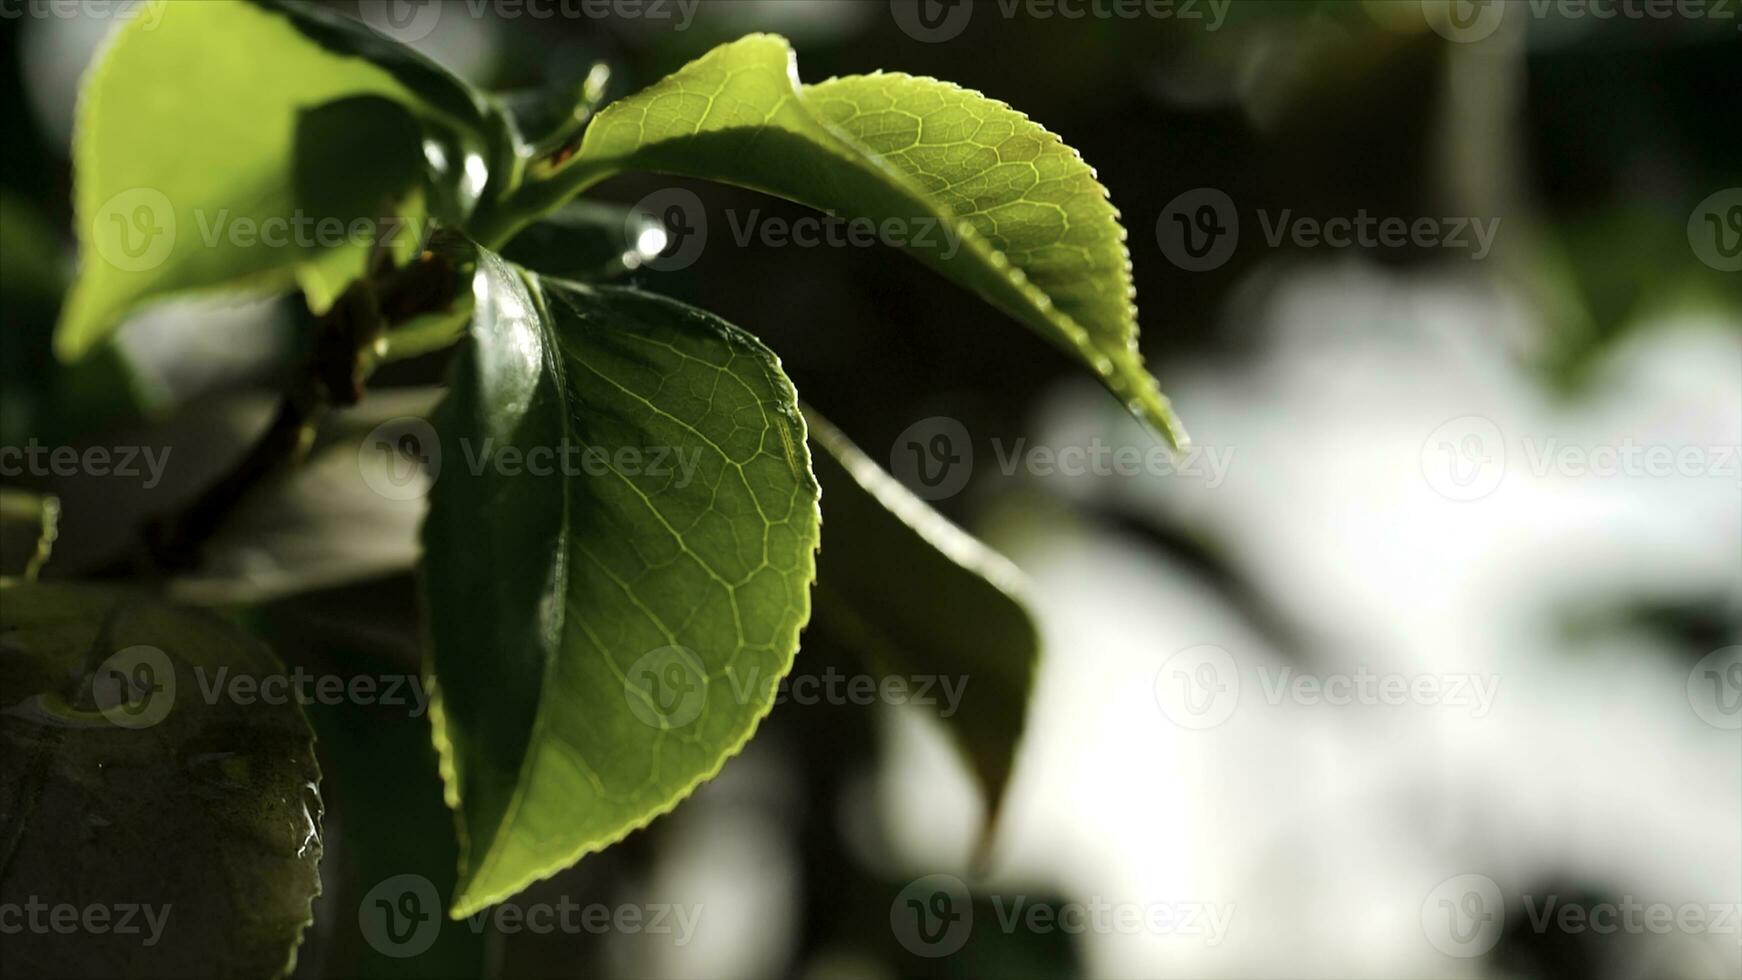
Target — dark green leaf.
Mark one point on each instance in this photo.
(605, 635)
(127, 783)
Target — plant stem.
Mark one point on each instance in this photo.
(344, 355)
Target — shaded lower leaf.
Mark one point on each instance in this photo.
(918, 597)
(619, 556)
(139, 781)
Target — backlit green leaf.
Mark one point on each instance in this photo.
(225, 144)
(965, 183)
(620, 550)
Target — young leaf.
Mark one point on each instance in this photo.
(221, 145)
(969, 185)
(919, 597)
(131, 728)
(620, 550)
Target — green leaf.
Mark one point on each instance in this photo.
(604, 637)
(916, 596)
(979, 192)
(233, 145)
(124, 783)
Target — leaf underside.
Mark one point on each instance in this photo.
(917, 597)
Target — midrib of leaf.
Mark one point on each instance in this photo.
(552, 649)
